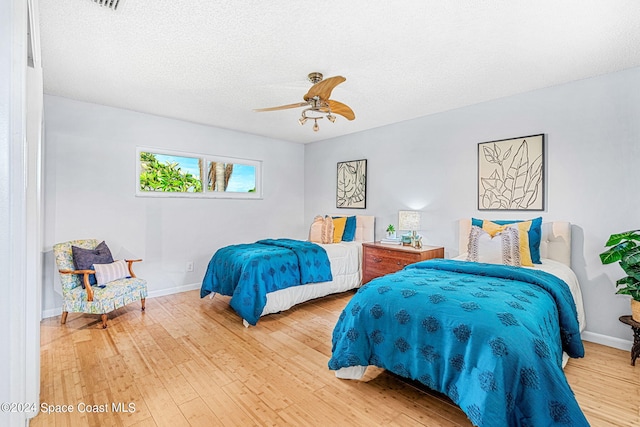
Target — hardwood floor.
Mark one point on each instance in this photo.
(189, 362)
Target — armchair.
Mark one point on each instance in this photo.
(80, 296)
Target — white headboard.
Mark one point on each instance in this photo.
(555, 243)
(365, 227)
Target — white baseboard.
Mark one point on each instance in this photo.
(175, 290)
(607, 340)
(52, 312)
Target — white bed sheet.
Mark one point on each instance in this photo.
(346, 270)
(565, 273)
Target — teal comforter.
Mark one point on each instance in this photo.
(248, 272)
(489, 336)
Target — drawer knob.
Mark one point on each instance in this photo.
(377, 259)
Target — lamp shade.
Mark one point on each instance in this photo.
(409, 220)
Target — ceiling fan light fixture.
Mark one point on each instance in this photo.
(316, 101)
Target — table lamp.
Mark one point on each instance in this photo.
(409, 221)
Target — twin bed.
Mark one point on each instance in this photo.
(257, 298)
(492, 337)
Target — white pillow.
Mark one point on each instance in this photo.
(106, 273)
(503, 248)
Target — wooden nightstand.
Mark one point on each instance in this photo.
(380, 259)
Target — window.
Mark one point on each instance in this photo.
(172, 174)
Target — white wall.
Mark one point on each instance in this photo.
(430, 164)
(90, 182)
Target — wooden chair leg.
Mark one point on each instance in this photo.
(104, 321)
(142, 302)
(63, 319)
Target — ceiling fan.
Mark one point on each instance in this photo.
(317, 101)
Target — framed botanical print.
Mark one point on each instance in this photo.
(511, 174)
(351, 184)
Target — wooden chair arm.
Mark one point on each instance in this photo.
(77, 271)
(85, 279)
(130, 263)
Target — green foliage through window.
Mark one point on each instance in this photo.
(166, 176)
(173, 174)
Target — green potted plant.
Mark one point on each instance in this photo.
(624, 248)
(391, 231)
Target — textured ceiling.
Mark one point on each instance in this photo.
(213, 62)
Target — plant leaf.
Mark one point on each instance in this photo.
(616, 252)
(614, 239)
(610, 256)
(632, 256)
(629, 268)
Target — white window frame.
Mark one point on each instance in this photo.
(205, 193)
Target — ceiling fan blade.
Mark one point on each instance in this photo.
(282, 107)
(342, 109)
(323, 89)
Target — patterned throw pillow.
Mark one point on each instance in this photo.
(523, 228)
(534, 234)
(502, 248)
(106, 273)
(327, 230)
(84, 259)
(511, 246)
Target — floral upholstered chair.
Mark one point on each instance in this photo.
(92, 282)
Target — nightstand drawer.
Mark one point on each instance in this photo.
(386, 261)
(380, 259)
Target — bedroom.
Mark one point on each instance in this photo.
(592, 132)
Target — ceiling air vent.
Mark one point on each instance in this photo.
(111, 4)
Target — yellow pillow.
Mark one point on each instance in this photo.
(338, 228)
(523, 233)
(492, 228)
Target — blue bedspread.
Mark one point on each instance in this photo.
(488, 336)
(247, 272)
